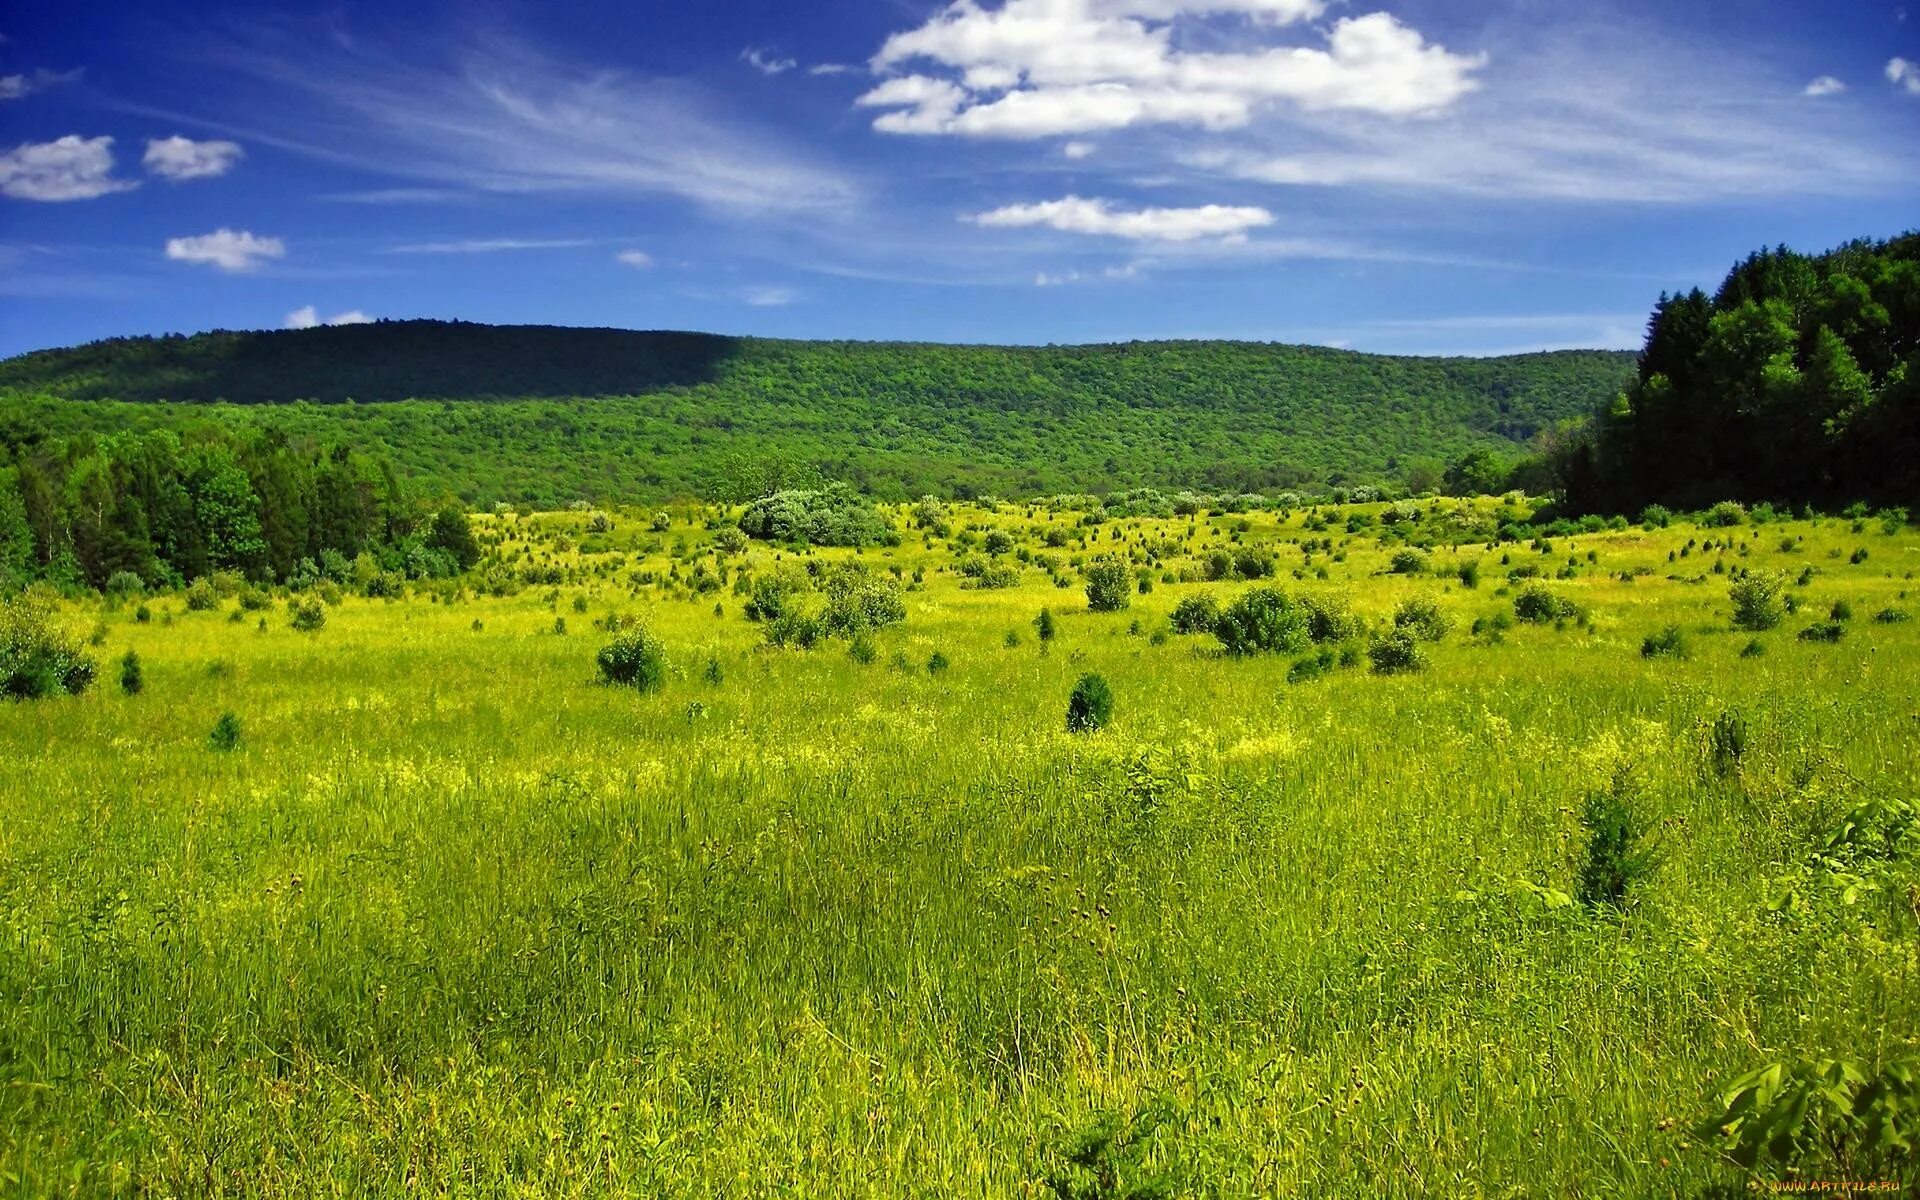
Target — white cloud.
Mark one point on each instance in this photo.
(1826, 85)
(1905, 75)
(1077, 150)
(1588, 111)
(1063, 278)
(226, 249)
(1039, 68)
(69, 168)
(491, 245)
(309, 318)
(769, 296)
(830, 69)
(637, 259)
(177, 158)
(766, 63)
(1072, 214)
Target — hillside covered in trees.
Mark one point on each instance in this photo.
(548, 415)
(1798, 381)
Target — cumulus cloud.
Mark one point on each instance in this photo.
(1042, 68)
(640, 260)
(766, 63)
(1905, 75)
(308, 317)
(1071, 214)
(177, 158)
(1826, 85)
(70, 168)
(227, 249)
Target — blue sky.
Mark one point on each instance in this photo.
(1407, 176)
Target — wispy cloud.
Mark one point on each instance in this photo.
(1904, 75)
(491, 245)
(769, 296)
(639, 260)
(1072, 214)
(1825, 85)
(19, 87)
(499, 116)
(765, 62)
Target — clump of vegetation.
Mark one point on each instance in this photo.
(1538, 606)
(1090, 706)
(225, 734)
(1263, 620)
(132, 678)
(1196, 614)
(835, 515)
(1824, 631)
(1396, 653)
(1108, 585)
(36, 658)
(1727, 738)
(1619, 855)
(1044, 626)
(1422, 620)
(1669, 642)
(1893, 616)
(635, 659)
(1821, 1118)
(1757, 601)
(1408, 562)
(309, 614)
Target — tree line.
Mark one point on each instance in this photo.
(158, 510)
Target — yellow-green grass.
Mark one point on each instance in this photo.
(457, 918)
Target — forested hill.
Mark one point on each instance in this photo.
(575, 413)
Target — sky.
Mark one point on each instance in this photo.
(1400, 176)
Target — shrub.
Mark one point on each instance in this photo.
(1263, 621)
(1656, 516)
(122, 584)
(1618, 854)
(1893, 616)
(1724, 515)
(132, 681)
(1043, 625)
(36, 658)
(635, 659)
(1841, 611)
(1668, 643)
(833, 516)
(937, 663)
(1537, 605)
(201, 596)
(998, 541)
(1090, 707)
(1470, 574)
(1825, 631)
(774, 592)
(858, 602)
(1408, 562)
(1108, 587)
(862, 650)
(1330, 620)
(1727, 737)
(995, 575)
(309, 615)
(1830, 1118)
(1396, 654)
(1421, 620)
(225, 734)
(795, 629)
(1196, 614)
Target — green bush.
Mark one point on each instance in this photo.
(36, 658)
(1893, 616)
(1109, 585)
(1422, 620)
(201, 595)
(1538, 606)
(132, 680)
(1396, 654)
(1618, 854)
(1668, 643)
(225, 734)
(859, 601)
(1408, 562)
(833, 516)
(1264, 621)
(1044, 626)
(1824, 631)
(1196, 614)
(309, 615)
(1090, 706)
(635, 659)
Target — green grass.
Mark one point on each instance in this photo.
(453, 917)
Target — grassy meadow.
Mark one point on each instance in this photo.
(453, 916)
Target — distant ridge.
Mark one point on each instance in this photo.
(896, 417)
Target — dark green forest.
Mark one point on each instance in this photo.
(545, 416)
(1798, 381)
